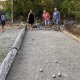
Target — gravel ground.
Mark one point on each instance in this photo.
(39, 50)
(7, 39)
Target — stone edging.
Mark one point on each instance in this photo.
(6, 64)
(76, 38)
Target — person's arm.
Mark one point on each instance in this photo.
(53, 15)
(43, 16)
(34, 17)
(59, 15)
(28, 17)
(49, 16)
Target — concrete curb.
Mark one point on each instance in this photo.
(73, 36)
(19, 39)
(6, 64)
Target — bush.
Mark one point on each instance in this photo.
(8, 16)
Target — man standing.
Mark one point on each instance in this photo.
(46, 18)
(3, 21)
(30, 19)
(56, 17)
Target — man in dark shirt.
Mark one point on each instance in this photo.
(2, 20)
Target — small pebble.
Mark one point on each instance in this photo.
(41, 70)
(24, 45)
(32, 39)
(56, 61)
(8, 47)
(51, 73)
(59, 74)
(54, 76)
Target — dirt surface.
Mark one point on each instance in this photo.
(39, 50)
(7, 39)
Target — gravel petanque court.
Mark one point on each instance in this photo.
(47, 55)
(7, 39)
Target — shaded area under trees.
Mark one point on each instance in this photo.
(67, 8)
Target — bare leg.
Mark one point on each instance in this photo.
(49, 27)
(2, 28)
(45, 27)
(56, 27)
(31, 26)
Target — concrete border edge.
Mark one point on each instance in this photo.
(6, 64)
(73, 36)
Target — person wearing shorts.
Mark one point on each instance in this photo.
(2, 20)
(46, 18)
(56, 17)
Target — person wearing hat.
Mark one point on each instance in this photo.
(56, 17)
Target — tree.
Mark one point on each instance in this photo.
(21, 7)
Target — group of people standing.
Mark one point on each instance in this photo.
(31, 19)
(46, 19)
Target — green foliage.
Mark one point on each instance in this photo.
(8, 16)
(71, 7)
(38, 10)
(66, 7)
(22, 7)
